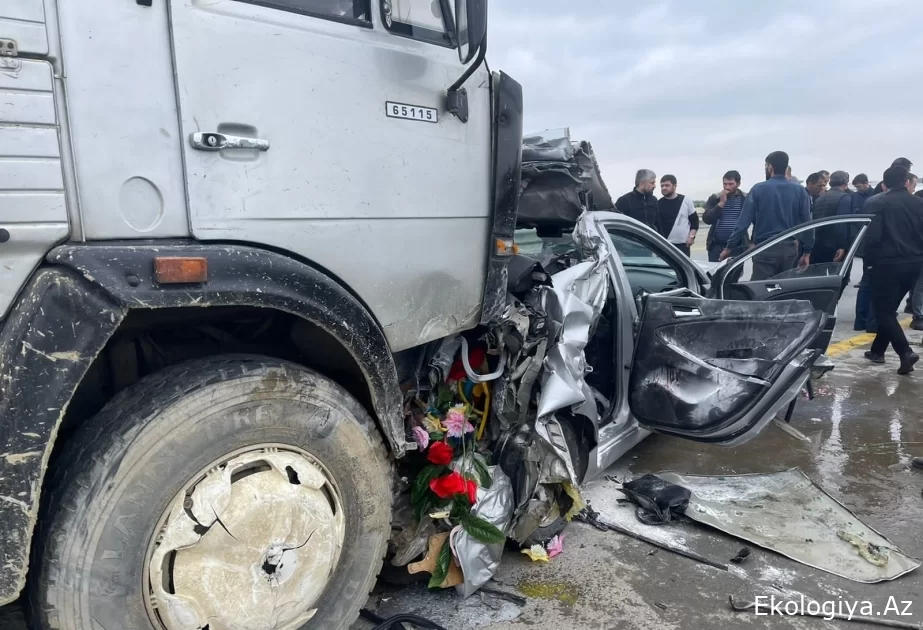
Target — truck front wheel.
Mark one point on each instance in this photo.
(231, 492)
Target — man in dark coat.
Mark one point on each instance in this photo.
(831, 242)
(641, 204)
(894, 252)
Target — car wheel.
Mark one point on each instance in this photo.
(239, 492)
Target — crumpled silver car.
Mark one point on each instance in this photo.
(610, 333)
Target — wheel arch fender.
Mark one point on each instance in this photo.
(74, 304)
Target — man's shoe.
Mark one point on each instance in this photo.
(917, 462)
(875, 357)
(907, 363)
(917, 323)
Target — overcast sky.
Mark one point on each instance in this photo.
(695, 88)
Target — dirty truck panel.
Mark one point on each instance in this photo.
(59, 325)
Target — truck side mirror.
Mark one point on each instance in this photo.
(470, 27)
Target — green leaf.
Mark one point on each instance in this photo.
(444, 397)
(484, 479)
(422, 508)
(481, 530)
(421, 482)
(442, 565)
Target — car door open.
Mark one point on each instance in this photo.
(821, 283)
(717, 370)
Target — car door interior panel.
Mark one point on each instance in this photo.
(701, 364)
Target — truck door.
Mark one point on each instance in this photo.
(319, 127)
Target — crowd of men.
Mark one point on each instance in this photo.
(892, 251)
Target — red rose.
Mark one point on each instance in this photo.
(440, 454)
(472, 491)
(448, 486)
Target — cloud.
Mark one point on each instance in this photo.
(697, 88)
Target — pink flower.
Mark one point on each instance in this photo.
(422, 437)
(457, 422)
(555, 545)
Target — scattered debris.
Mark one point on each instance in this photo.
(792, 431)
(536, 553)
(396, 622)
(788, 513)
(510, 597)
(490, 601)
(742, 555)
(555, 546)
(592, 518)
(658, 501)
(801, 611)
(873, 553)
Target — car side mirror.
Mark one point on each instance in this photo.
(470, 27)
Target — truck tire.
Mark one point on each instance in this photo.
(277, 477)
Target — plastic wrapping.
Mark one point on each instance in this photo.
(480, 561)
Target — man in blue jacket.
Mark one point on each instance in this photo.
(773, 207)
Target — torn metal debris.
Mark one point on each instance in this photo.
(791, 515)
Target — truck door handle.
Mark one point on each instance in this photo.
(773, 287)
(686, 312)
(211, 141)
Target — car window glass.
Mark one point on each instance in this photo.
(350, 11)
(417, 19)
(781, 260)
(645, 268)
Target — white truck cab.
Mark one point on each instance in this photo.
(333, 128)
(321, 175)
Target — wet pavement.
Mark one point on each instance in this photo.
(864, 427)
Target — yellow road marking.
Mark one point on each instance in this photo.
(862, 339)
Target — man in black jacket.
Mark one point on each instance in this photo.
(901, 161)
(640, 204)
(894, 251)
(831, 242)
